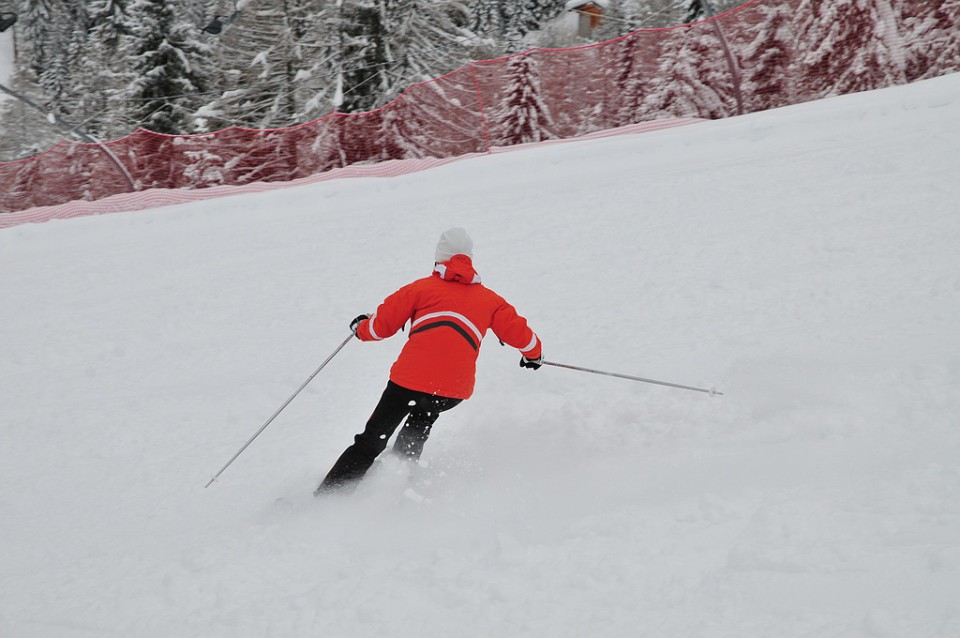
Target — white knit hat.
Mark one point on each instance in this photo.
(455, 241)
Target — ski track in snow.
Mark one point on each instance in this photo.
(804, 261)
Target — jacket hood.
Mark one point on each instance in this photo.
(458, 268)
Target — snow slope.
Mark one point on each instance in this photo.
(803, 260)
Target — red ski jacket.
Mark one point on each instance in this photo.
(450, 312)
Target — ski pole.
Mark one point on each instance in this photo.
(279, 410)
(711, 392)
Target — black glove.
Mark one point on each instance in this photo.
(356, 322)
(533, 364)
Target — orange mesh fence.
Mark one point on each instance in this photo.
(764, 54)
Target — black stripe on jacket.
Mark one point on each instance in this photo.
(438, 324)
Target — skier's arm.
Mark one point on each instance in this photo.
(512, 329)
(389, 317)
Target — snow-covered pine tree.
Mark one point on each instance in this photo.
(621, 17)
(486, 23)
(27, 183)
(624, 16)
(693, 78)
(275, 65)
(205, 166)
(194, 11)
(544, 10)
(387, 45)
(267, 156)
(487, 18)
(424, 40)
(522, 115)
(104, 71)
(403, 134)
(110, 23)
(323, 47)
(631, 88)
(948, 60)
(25, 131)
(932, 37)
(693, 10)
(54, 33)
(172, 68)
(326, 147)
(767, 61)
(661, 13)
(363, 56)
(847, 46)
(35, 48)
(615, 91)
(520, 17)
(59, 79)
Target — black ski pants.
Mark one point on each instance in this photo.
(396, 403)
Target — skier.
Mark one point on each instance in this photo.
(449, 313)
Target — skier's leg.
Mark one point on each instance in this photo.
(395, 403)
(413, 435)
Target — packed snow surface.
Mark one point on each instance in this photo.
(804, 261)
